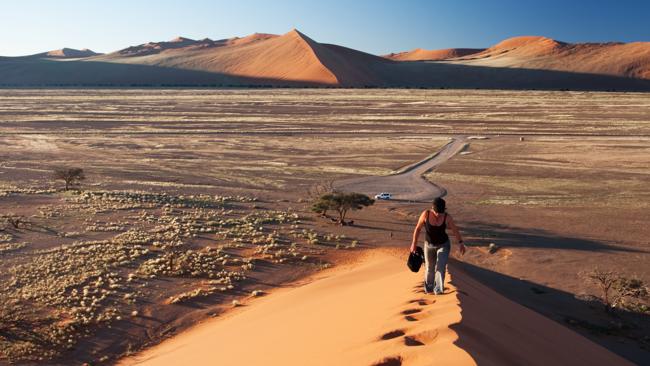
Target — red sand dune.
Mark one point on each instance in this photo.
(375, 313)
(183, 44)
(420, 54)
(620, 59)
(293, 59)
(530, 46)
(68, 53)
(159, 47)
(255, 37)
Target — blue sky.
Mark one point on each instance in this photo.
(30, 26)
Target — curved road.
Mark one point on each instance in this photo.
(409, 184)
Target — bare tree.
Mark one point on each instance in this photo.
(71, 176)
(617, 290)
(605, 282)
(318, 190)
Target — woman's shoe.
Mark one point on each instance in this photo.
(427, 289)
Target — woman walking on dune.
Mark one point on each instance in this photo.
(436, 245)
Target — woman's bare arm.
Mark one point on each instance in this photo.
(416, 232)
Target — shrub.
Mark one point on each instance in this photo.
(16, 221)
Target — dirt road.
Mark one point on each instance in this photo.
(407, 184)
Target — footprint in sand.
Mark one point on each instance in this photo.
(421, 302)
(389, 361)
(411, 311)
(411, 341)
(409, 314)
(421, 338)
(427, 302)
(411, 318)
(392, 334)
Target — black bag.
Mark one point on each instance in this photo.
(415, 259)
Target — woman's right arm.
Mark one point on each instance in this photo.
(416, 232)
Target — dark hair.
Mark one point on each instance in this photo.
(439, 205)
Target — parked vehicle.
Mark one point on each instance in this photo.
(383, 196)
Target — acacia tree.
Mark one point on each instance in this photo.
(71, 176)
(342, 203)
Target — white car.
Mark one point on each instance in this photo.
(383, 196)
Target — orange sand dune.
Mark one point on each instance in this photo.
(619, 59)
(67, 53)
(420, 54)
(255, 37)
(529, 46)
(293, 59)
(375, 313)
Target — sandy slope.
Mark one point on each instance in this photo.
(375, 313)
(337, 320)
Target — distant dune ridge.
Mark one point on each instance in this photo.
(67, 53)
(621, 59)
(420, 54)
(294, 59)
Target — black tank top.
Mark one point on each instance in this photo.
(436, 235)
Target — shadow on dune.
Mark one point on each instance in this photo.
(352, 72)
(624, 334)
(431, 74)
(506, 236)
(21, 72)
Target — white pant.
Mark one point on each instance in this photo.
(435, 259)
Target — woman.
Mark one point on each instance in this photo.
(436, 245)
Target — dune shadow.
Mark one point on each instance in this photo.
(625, 333)
(448, 74)
(35, 72)
(516, 237)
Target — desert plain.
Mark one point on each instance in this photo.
(196, 209)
